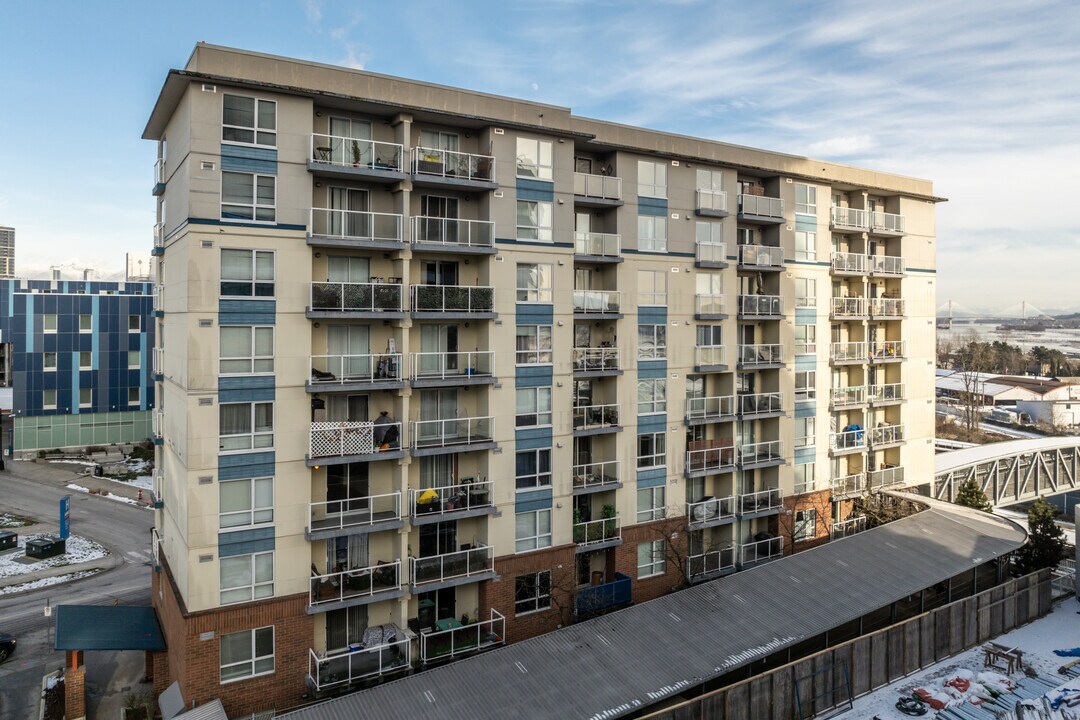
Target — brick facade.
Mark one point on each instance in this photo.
(673, 533)
(499, 593)
(821, 502)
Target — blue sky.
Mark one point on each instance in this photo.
(984, 99)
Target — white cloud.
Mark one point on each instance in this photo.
(841, 146)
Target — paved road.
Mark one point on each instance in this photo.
(29, 489)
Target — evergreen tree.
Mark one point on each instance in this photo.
(1046, 541)
(969, 494)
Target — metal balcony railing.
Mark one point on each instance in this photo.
(346, 438)
(766, 305)
(848, 351)
(761, 550)
(356, 297)
(848, 440)
(341, 369)
(157, 422)
(711, 509)
(886, 393)
(597, 243)
(591, 417)
(847, 528)
(594, 532)
(710, 304)
(761, 256)
(356, 152)
(852, 484)
(354, 512)
(159, 235)
(761, 501)
(156, 541)
(710, 252)
(158, 298)
(887, 307)
(851, 263)
(715, 200)
(712, 459)
(887, 265)
(448, 365)
(711, 562)
(451, 498)
(453, 232)
(889, 222)
(761, 403)
(157, 360)
(451, 566)
(885, 477)
(846, 396)
(447, 433)
(453, 164)
(886, 435)
(596, 301)
(770, 354)
(854, 218)
(709, 355)
(455, 641)
(605, 187)
(596, 474)
(344, 667)
(853, 307)
(768, 451)
(354, 583)
(710, 408)
(356, 225)
(595, 359)
(761, 205)
(453, 298)
(887, 350)
(159, 171)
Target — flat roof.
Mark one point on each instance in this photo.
(620, 663)
(107, 627)
(949, 461)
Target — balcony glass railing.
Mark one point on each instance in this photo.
(592, 417)
(847, 217)
(596, 243)
(451, 566)
(761, 205)
(344, 667)
(848, 440)
(710, 304)
(761, 403)
(848, 351)
(453, 431)
(157, 421)
(712, 459)
(354, 583)
(345, 438)
(451, 498)
(887, 350)
(595, 359)
(709, 355)
(356, 297)
(845, 396)
(453, 232)
(851, 263)
(453, 298)
(711, 562)
(768, 451)
(847, 528)
(761, 305)
(451, 164)
(159, 235)
(356, 225)
(157, 360)
(711, 509)
(594, 532)
(761, 501)
(159, 171)
(605, 187)
(770, 354)
(886, 435)
(710, 408)
(885, 477)
(710, 252)
(596, 474)
(761, 550)
(354, 512)
(853, 307)
(596, 301)
(848, 485)
(356, 152)
(888, 222)
(887, 265)
(715, 200)
(342, 369)
(761, 256)
(158, 298)
(450, 365)
(463, 639)
(889, 392)
(887, 307)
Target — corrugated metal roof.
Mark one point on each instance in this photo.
(212, 710)
(107, 627)
(616, 664)
(949, 461)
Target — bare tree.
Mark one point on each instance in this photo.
(975, 358)
(793, 530)
(946, 348)
(879, 509)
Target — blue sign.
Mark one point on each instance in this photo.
(65, 517)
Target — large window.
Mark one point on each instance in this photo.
(247, 273)
(534, 158)
(710, 180)
(134, 323)
(534, 221)
(532, 530)
(805, 245)
(247, 654)
(652, 179)
(48, 361)
(86, 323)
(86, 397)
(533, 469)
(86, 360)
(805, 428)
(805, 480)
(533, 345)
(48, 399)
(806, 199)
(650, 559)
(246, 426)
(533, 406)
(534, 282)
(247, 577)
(805, 525)
(709, 335)
(248, 196)
(652, 233)
(651, 396)
(650, 504)
(652, 287)
(48, 324)
(805, 384)
(245, 502)
(249, 121)
(651, 450)
(709, 233)
(805, 339)
(652, 342)
(134, 395)
(805, 292)
(246, 350)
(134, 359)
(532, 592)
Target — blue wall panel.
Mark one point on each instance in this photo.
(532, 438)
(652, 206)
(529, 314)
(532, 376)
(652, 315)
(246, 312)
(653, 477)
(540, 190)
(245, 465)
(239, 158)
(531, 500)
(244, 542)
(652, 369)
(651, 423)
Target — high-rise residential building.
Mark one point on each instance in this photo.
(7, 252)
(443, 370)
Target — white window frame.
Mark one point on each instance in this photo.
(138, 396)
(138, 323)
(255, 279)
(46, 366)
(88, 403)
(255, 205)
(805, 292)
(255, 129)
(537, 478)
(656, 390)
(708, 232)
(264, 363)
(256, 589)
(540, 601)
(538, 355)
(805, 339)
(655, 351)
(808, 380)
(540, 170)
(714, 177)
(252, 434)
(255, 515)
(45, 405)
(805, 245)
(538, 273)
(543, 231)
(89, 359)
(656, 564)
(653, 507)
(808, 480)
(86, 330)
(652, 179)
(652, 288)
(809, 206)
(539, 539)
(805, 527)
(137, 354)
(805, 432)
(543, 417)
(252, 661)
(652, 233)
(655, 458)
(45, 323)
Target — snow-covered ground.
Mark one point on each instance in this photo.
(1038, 640)
(79, 550)
(108, 495)
(1019, 517)
(143, 482)
(10, 521)
(46, 582)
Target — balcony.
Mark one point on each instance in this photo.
(596, 361)
(846, 397)
(761, 551)
(887, 266)
(451, 502)
(158, 300)
(159, 239)
(710, 461)
(760, 504)
(157, 363)
(339, 442)
(853, 308)
(157, 491)
(885, 436)
(887, 394)
(710, 358)
(884, 478)
(710, 255)
(157, 422)
(848, 353)
(456, 640)
(452, 369)
(602, 598)
(710, 512)
(597, 304)
(341, 669)
(886, 308)
(355, 159)
(712, 203)
(710, 307)
(453, 235)
(847, 442)
(597, 247)
(704, 410)
(760, 209)
(760, 405)
(354, 516)
(761, 357)
(330, 300)
(432, 167)
(847, 219)
(349, 373)
(354, 229)
(886, 351)
(468, 565)
(358, 586)
(845, 263)
(159, 178)
(597, 534)
(454, 435)
(761, 454)
(452, 302)
(599, 191)
(883, 223)
(596, 419)
(848, 486)
(761, 307)
(710, 565)
(847, 528)
(596, 477)
(761, 258)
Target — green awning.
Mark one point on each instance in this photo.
(107, 627)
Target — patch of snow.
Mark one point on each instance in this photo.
(110, 496)
(46, 582)
(144, 482)
(139, 466)
(87, 463)
(77, 488)
(79, 550)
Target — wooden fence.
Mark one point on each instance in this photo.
(874, 660)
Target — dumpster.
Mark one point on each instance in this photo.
(44, 547)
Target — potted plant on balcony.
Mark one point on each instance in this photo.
(579, 532)
(482, 299)
(608, 513)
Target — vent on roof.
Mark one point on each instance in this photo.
(209, 88)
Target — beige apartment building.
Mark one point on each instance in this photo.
(440, 370)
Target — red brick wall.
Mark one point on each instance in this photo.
(820, 501)
(499, 593)
(674, 548)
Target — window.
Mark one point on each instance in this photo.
(134, 395)
(533, 469)
(804, 479)
(805, 292)
(746, 236)
(652, 450)
(806, 199)
(650, 559)
(805, 525)
(805, 339)
(245, 502)
(48, 361)
(533, 406)
(710, 335)
(805, 245)
(248, 196)
(86, 397)
(134, 323)
(652, 342)
(247, 577)
(246, 426)
(805, 384)
(652, 233)
(804, 432)
(532, 592)
(134, 359)
(246, 350)
(533, 345)
(247, 273)
(86, 360)
(652, 287)
(86, 323)
(651, 396)
(48, 399)
(534, 158)
(534, 282)
(532, 530)
(48, 323)
(652, 179)
(650, 504)
(710, 180)
(247, 654)
(534, 220)
(249, 121)
(709, 233)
